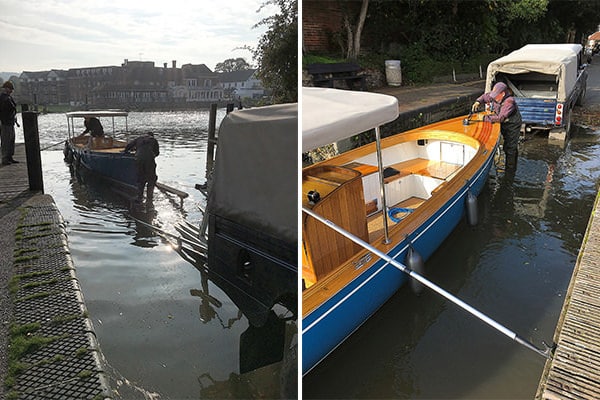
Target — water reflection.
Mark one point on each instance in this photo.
(266, 344)
(144, 236)
(266, 348)
(167, 329)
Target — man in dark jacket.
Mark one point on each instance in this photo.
(146, 149)
(93, 127)
(8, 112)
(505, 110)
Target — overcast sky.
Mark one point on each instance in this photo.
(38, 35)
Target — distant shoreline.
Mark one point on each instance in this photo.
(196, 106)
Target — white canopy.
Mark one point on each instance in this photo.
(97, 113)
(552, 59)
(329, 115)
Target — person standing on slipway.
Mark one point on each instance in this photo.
(146, 149)
(8, 113)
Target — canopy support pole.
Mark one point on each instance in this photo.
(386, 235)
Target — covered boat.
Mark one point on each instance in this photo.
(104, 155)
(406, 191)
(252, 208)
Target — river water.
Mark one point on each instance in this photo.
(166, 332)
(514, 266)
(163, 340)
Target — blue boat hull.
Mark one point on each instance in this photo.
(327, 326)
(116, 167)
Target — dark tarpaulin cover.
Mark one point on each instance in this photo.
(255, 181)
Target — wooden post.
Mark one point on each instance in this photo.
(212, 140)
(32, 150)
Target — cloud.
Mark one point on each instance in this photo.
(69, 34)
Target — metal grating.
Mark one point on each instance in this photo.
(44, 309)
(49, 294)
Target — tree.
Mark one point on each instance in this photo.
(277, 52)
(354, 34)
(232, 64)
(576, 19)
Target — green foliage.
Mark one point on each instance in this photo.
(277, 52)
(25, 329)
(23, 259)
(523, 10)
(24, 340)
(232, 64)
(313, 59)
(82, 351)
(433, 37)
(37, 296)
(85, 374)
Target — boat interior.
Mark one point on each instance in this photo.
(346, 190)
(104, 144)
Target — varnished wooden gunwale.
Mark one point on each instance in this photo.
(482, 136)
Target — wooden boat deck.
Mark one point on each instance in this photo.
(574, 371)
(104, 144)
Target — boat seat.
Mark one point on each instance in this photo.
(422, 166)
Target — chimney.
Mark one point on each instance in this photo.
(174, 64)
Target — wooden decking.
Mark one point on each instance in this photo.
(15, 181)
(574, 371)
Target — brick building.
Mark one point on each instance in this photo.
(130, 85)
(323, 24)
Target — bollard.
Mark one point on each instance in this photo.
(32, 150)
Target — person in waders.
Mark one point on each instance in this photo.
(146, 150)
(505, 110)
